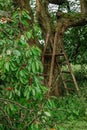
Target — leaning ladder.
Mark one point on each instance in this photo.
(53, 56)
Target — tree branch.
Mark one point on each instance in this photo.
(58, 2)
(72, 20)
(43, 16)
(15, 103)
(79, 20)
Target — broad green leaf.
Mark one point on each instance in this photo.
(1, 63)
(13, 66)
(7, 64)
(23, 80)
(17, 92)
(24, 22)
(15, 15)
(25, 13)
(17, 53)
(33, 92)
(22, 73)
(37, 66)
(47, 114)
(33, 67)
(29, 34)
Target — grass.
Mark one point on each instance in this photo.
(75, 125)
(81, 122)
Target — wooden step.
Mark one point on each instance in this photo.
(68, 80)
(46, 64)
(45, 75)
(67, 72)
(62, 62)
(57, 54)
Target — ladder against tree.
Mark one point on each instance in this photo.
(53, 55)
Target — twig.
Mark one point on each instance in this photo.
(7, 118)
(30, 123)
(11, 101)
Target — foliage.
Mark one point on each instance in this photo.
(6, 5)
(76, 50)
(20, 73)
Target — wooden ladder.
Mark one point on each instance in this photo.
(53, 56)
(69, 72)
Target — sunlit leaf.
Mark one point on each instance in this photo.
(7, 64)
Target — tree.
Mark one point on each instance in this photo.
(20, 73)
(54, 31)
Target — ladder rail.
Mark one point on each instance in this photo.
(44, 50)
(70, 68)
(64, 83)
(52, 60)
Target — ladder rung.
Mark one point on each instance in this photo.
(67, 72)
(57, 54)
(61, 54)
(71, 90)
(49, 54)
(47, 64)
(67, 80)
(62, 63)
(45, 75)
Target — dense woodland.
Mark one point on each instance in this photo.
(43, 65)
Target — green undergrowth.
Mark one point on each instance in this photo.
(75, 125)
(70, 113)
(76, 107)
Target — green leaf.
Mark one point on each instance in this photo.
(33, 92)
(7, 64)
(23, 80)
(1, 63)
(17, 92)
(13, 66)
(25, 13)
(29, 68)
(21, 73)
(15, 15)
(17, 53)
(61, 128)
(33, 67)
(29, 34)
(24, 22)
(22, 41)
(37, 66)
(47, 114)
(12, 107)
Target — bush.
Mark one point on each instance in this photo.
(20, 74)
